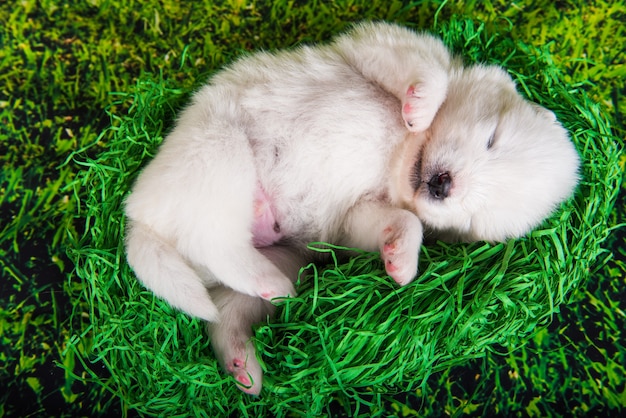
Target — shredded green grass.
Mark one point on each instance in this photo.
(351, 336)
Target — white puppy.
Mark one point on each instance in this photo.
(360, 143)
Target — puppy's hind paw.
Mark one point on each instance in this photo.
(276, 288)
(247, 376)
(237, 355)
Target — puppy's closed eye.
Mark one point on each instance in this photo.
(491, 140)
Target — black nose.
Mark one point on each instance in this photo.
(439, 185)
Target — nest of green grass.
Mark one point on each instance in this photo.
(352, 337)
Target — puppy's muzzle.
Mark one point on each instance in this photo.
(439, 185)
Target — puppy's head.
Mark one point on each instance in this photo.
(492, 165)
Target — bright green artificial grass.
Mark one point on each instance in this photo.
(351, 335)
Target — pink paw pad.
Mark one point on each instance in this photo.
(235, 364)
(238, 369)
(243, 379)
(390, 267)
(388, 248)
(414, 93)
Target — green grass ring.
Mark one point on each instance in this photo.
(351, 337)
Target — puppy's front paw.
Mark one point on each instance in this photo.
(418, 110)
(400, 248)
(422, 101)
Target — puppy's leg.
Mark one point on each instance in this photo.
(245, 270)
(164, 271)
(230, 337)
(413, 67)
(396, 233)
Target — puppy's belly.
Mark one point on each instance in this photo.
(265, 228)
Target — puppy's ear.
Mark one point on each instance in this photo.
(547, 114)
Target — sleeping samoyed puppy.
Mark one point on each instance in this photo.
(366, 142)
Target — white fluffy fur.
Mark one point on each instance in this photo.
(335, 143)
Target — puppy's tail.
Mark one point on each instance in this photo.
(164, 271)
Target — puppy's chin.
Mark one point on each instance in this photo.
(487, 226)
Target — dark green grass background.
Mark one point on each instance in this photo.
(60, 66)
